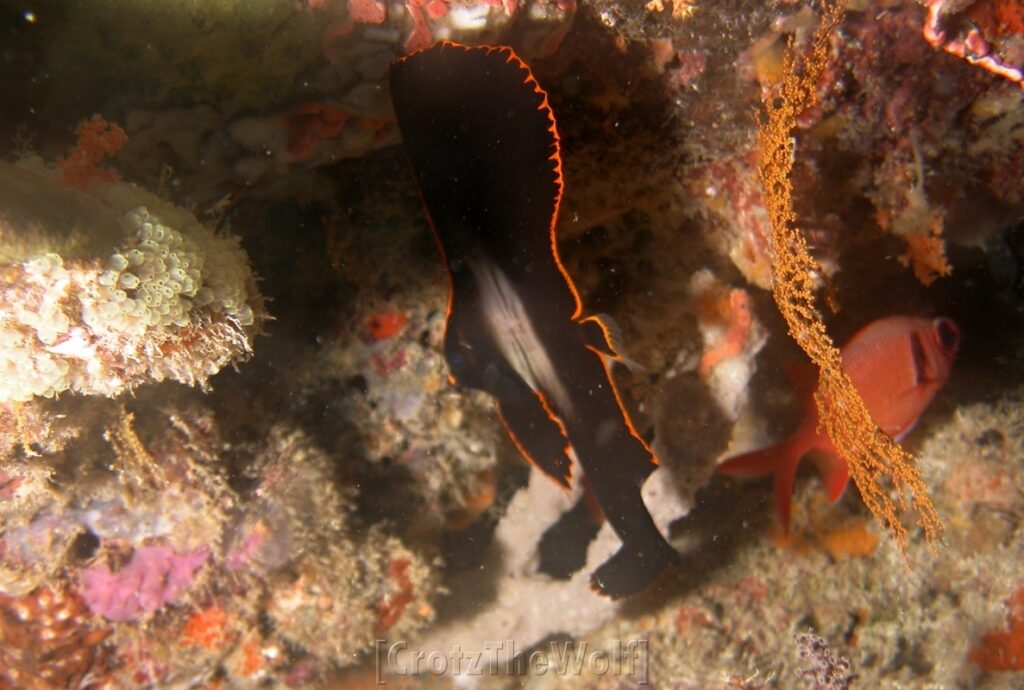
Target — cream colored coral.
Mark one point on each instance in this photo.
(162, 296)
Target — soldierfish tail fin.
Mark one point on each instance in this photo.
(630, 571)
(835, 474)
(780, 460)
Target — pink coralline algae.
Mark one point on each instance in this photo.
(367, 11)
(419, 11)
(155, 576)
(1001, 18)
(691, 66)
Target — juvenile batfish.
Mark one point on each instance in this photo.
(897, 364)
(482, 141)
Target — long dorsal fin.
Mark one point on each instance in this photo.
(482, 139)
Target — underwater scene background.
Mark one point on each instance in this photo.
(237, 451)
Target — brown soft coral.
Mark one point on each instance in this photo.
(879, 466)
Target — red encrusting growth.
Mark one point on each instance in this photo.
(385, 325)
(311, 122)
(1003, 17)
(1003, 650)
(9, 485)
(436, 9)
(253, 659)
(420, 38)
(206, 628)
(378, 126)
(367, 11)
(395, 603)
(97, 139)
(736, 311)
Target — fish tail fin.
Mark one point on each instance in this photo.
(780, 460)
(835, 474)
(631, 570)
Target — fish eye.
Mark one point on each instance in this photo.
(947, 334)
(457, 361)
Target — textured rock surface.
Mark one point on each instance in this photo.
(113, 288)
(326, 474)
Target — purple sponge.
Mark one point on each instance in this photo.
(154, 576)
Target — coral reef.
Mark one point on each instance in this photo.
(1003, 650)
(154, 577)
(227, 96)
(825, 669)
(341, 592)
(167, 556)
(97, 140)
(739, 627)
(112, 289)
(263, 529)
(732, 338)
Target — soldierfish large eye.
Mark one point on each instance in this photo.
(947, 335)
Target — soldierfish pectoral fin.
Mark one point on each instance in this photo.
(598, 335)
(529, 421)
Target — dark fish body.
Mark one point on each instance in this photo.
(483, 145)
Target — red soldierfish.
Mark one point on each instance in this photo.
(897, 364)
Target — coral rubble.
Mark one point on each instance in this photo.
(872, 620)
(165, 555)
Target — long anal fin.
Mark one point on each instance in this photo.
(535, 431)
